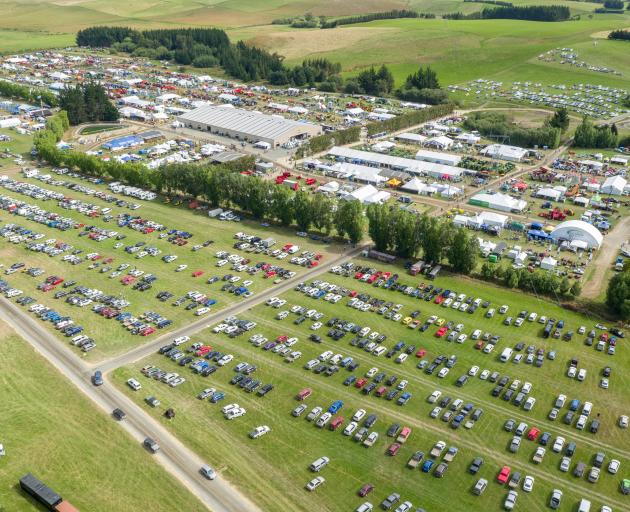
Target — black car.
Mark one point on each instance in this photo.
(390, 501)
(475, 466)
(445, 401)
(391, 381)
(265, 389)
(393, 430)
(370, 421)
(97, 378)
(119, 414)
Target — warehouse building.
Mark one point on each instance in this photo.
(502, 152)
(248, 126)
(497, 201)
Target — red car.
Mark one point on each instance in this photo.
(353, 293)
(479, 345)
(504, 474)
(533, 434)
(421, 353)
(393, 449)
(360, 383)
(358, 275)
(380, 391)
(197, 273)
(365, 490)
(441, 331)
(282, 338)
(439, 299)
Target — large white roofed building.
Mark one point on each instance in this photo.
(248, 126)
(498, 201)
(502, 152)
(578, 230)
(614, 185)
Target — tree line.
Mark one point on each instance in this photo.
(493, 2)
(587, 135)
(28, 94)
(87, 102)
(209, 47)
(527, 13)
(623, 35)
(538, 282)
(618, 294)
(405, 234)
(495, 124)
(385, 15)
(328, 140)
(409, 119)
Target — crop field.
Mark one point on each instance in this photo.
(50, 429)
(110, 335)
(294, 443)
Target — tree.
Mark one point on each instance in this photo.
(584, 136)
(407, 233)
(576, 289)
(618, 294)
(349, 220)
(282, 205)
(322, 210)
(488, 271)
(462, 253)
(302, 210)
(560, 119)
(613, 4)
(436, 235)
(380, 226)
(565, 286)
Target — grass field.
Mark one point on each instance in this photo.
(52, 430)
(111, 337)
(293, 443)
(19, 144)
(99, 128)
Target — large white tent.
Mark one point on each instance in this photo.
(614, 185)
(572, 230)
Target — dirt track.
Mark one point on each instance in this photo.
(607, 253)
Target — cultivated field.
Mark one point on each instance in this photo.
(52, 430)
(275, 467)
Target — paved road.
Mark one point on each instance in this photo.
(182, 463)
(188, 330)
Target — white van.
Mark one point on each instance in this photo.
(319, 464)
(506, 355)
(585, 506)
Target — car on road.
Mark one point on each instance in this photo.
(151, 445)
(97, 378)
(208, 472)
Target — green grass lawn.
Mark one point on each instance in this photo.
(111, 337)
(98, 128)
(18, 145)
(294, 443)
(50, 429)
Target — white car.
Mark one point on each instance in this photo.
(484, 375)
(259, 431)
(181, 340)
(604, 383)
(315, 483)
(202, 311)
(613, 466)
(225, 359)
(528, 483)
(581, 374)
(352, 426)
(473, 371)
(572, 372)
(558, 444)
(371, 372)
(235, 413)
(229, 407)
(134, 384)
(316, 326)
(443, 373)
(623, 421)
(181, 268)
(488, 348)
(565, 464)
(401, 358)
(359, 415)
(433, 397)
(325, 356)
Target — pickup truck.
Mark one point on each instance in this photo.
(415, 460)
(450, 454)
(539, 455)
(404, 435)
(437, 450)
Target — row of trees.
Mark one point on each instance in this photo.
(587, 135)
(209, 47)
(537, 282)
(385, 15)
(405, 233)
(618, 294)
(493, 2)
(496, 125)
(529, 13)
(623, 35)
(410, 119)
(87, 102)
(616, 5)
(28, 94)
(328, 140)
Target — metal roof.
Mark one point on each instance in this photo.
(244, 121)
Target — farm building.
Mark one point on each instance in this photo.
(123, 143)
(468, 138)
(548, 263)
(440, 142)
(248, 126)
(551, 194)
(615, 185)
(578, 231)
(502, 152)
(415, 167)
(438, 158)
(10, 122)
(410, 138)
(368, 195)
(497, 201)
(416, 186)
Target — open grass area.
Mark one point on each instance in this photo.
(110, 336)
(18, 145)
(50, 429)
(99, 128)
(293, 443)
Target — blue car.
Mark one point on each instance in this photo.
(219, 395)
(404, 398)
(335, 406)
(427, 465)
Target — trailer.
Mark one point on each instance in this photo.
(44, 494)
(416, 268)
(434, 272)
(215, 213)
(437, 449)
(450, 454)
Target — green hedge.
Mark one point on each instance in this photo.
(410, 119)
